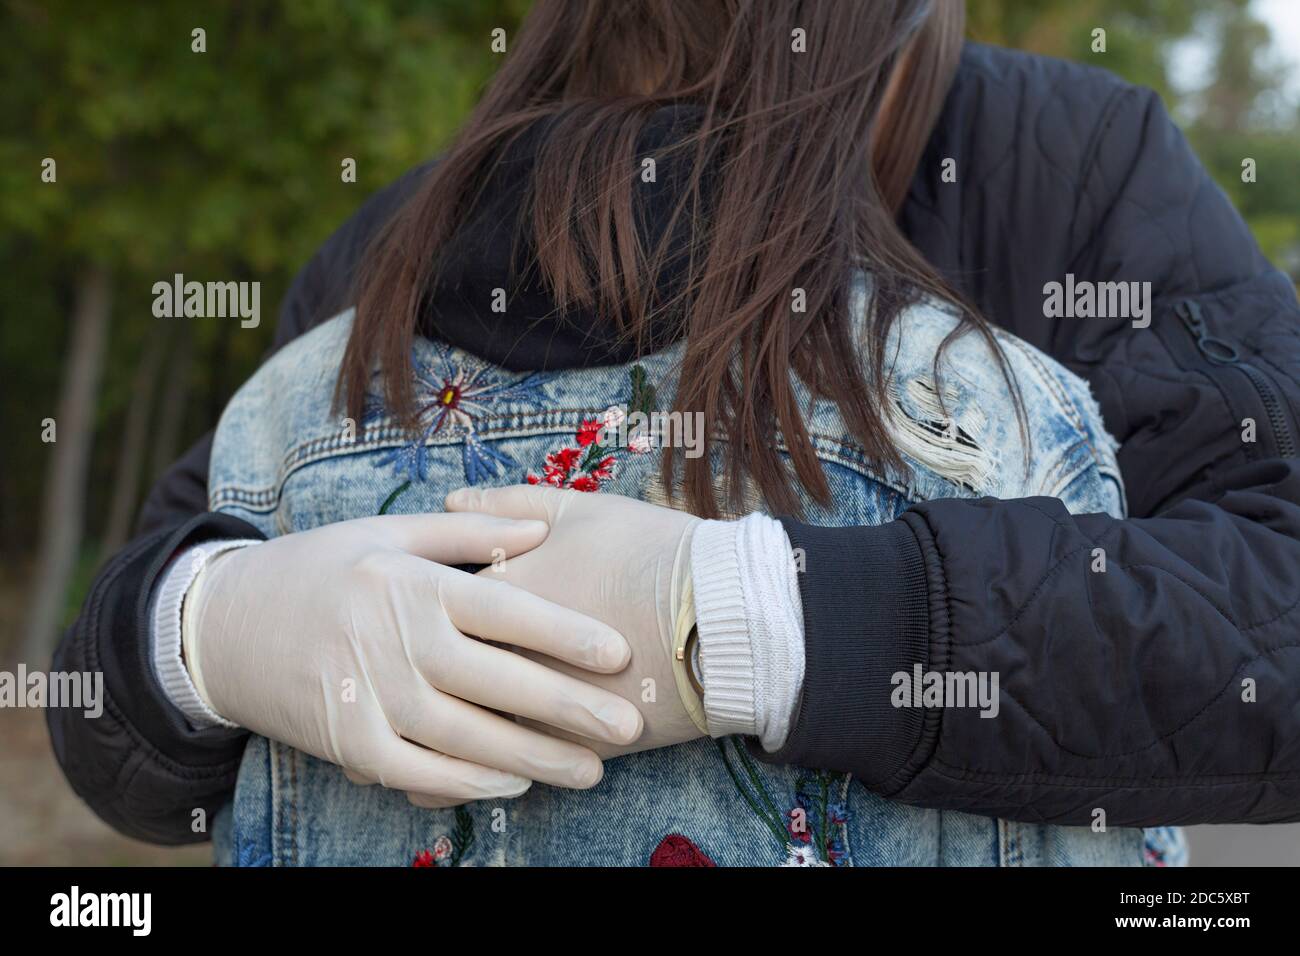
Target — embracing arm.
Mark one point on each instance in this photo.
(1165, 689)
(1162, 690)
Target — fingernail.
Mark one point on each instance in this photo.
(586, 775)
(511, 786)
(612, 654)
(624, 721)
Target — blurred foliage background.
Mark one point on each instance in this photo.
(225, 165)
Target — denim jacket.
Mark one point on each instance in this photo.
(284, 461)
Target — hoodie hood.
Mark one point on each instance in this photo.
(493, 249)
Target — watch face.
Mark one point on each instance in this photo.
(693, 654)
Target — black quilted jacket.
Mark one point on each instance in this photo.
(1165, 690)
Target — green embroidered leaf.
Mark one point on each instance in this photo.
(462, 836)
(595, 453)
(824, 837)
(643, 393)
(772, 820)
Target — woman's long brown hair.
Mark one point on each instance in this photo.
(806, 187)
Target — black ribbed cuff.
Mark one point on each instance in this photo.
(866, 615)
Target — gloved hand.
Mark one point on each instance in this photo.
(630, 566)
(349, 642)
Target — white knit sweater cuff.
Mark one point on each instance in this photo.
(750, 623)
(726, 661)
(168, 660)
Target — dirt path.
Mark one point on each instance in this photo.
(42, 822)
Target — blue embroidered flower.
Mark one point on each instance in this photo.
(454, 396)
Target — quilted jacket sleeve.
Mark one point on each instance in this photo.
(1166, 688)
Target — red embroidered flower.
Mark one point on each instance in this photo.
(565, 460)
(443, 851)
(676, 850)
(591, 463)
(573, 468)
(588, 432)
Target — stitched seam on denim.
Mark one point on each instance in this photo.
(838, 450)
(1048, 380)
(1067, 469)
(293, 806)
(275, 778)
(844, 827)
(1076, 417)
(1072, 413)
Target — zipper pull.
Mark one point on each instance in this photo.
(1191, 316)
(1214, 349)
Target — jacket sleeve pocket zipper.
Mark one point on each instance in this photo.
(1221, 352)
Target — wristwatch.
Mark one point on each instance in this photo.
(693, 661)
(685, 653)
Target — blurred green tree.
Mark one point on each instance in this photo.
(1237, 117)
(217, 155)
(1140, 34)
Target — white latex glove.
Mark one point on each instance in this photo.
(349, 642)
(619, 560)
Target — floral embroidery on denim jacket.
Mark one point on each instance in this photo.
(456, 396)
(812, 831)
